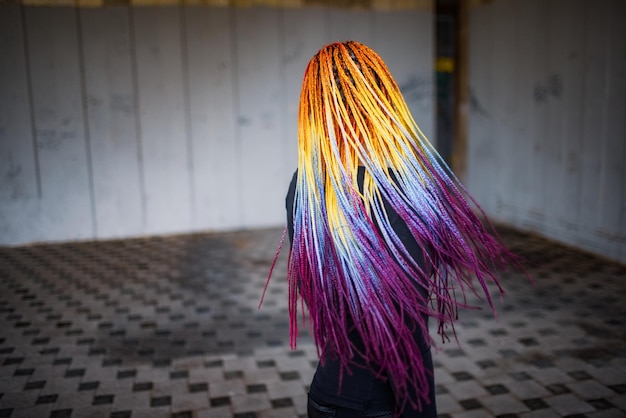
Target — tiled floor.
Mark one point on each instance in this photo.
(169, 327)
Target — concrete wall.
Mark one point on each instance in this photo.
(125, 121)
(547, 136)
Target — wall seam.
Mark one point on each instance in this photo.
(138, 130)
(31, 101)
(597, 230)
(184, 52)
(236, 109)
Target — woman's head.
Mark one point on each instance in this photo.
(351, 109)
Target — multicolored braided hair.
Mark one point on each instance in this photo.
(346, 262)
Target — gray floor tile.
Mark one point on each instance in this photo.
(170, 327)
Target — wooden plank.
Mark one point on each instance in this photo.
(480, 152)
(164, 142)
(304, 36)
(18, 155)
(212, 114)
(404, 40)
(111, 117)
(259, 117)
(65, 210)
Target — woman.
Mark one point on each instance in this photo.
(383, 237)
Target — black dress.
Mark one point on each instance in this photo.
(362, 393)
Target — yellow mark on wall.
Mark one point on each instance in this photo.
(444, 65)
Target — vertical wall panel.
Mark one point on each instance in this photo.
(211, 94)
(613, 211)
(65, 210)
(305, 32)
(405, 42)
(553, 139)
(259, 117)
(166, 169)
(18, 158)
(565, 104)
(595, 83)
(480, 151)
(537, 25)
(523, 178)
(504, 64)
(574, 99)
(111, 119)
